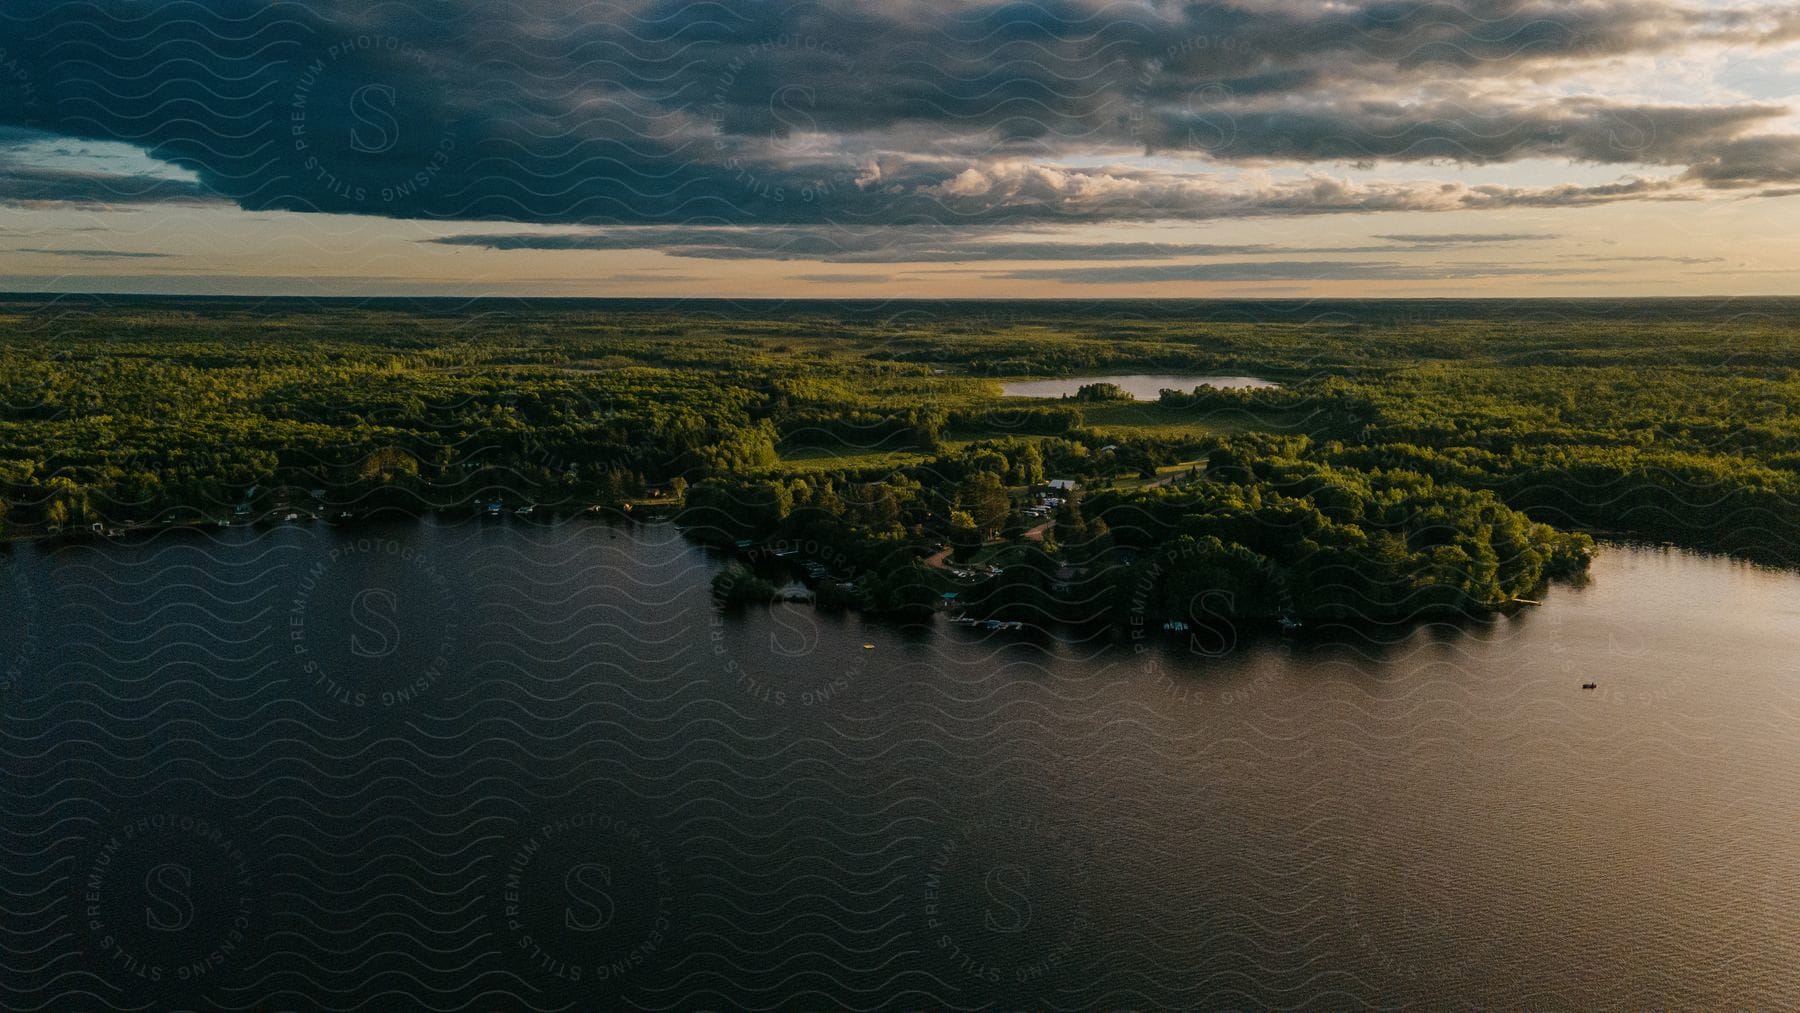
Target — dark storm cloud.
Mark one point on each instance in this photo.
(96, 254)
(30, 186)
(860, 114)
(937, 245)
(1749, 161)
(840, 246)
(1463, 129)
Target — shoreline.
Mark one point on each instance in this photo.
(1138, 634)
(764, 553)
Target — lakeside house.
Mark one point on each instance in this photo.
(1047, 500)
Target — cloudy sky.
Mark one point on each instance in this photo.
(1082, 148)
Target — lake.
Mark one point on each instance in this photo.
(1142, 386)
(510, 765)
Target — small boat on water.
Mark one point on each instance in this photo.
(1590, 685)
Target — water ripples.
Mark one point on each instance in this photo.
(496, 765)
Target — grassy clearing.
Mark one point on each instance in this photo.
(1165, 474)
(815, 460)
(1150, 418)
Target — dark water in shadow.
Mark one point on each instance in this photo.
(508, 766)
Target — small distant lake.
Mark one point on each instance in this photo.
(1142, 386)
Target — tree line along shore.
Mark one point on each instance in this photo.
(1402, 467)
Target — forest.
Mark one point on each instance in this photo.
(1413, 459)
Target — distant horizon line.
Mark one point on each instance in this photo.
(40, 296)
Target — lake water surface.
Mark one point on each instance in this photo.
(1142, 386)
(512, 766)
